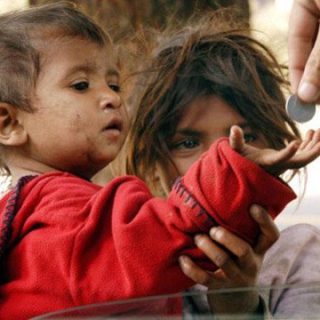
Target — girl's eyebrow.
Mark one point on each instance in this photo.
(243, 125)
(196, 133)
(188, 132)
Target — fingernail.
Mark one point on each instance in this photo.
(183, 260)
(220, 260)
(198, 238)
(213, 232)
(308, 92)
(255, 211)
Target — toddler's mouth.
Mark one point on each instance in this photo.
(114, 124)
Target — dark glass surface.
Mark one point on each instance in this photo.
(160, 307)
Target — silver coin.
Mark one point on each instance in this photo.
(298, 110)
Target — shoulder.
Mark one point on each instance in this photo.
(290, 273)
(296, 238)
(295, 254)
(66, 185)
(58, 183)
(301, 230)
(64, 191)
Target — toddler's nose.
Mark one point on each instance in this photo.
(110, 99)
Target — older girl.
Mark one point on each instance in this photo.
(203, 80)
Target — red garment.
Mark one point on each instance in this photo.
(76, 243)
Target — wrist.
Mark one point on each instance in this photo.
(238, 303)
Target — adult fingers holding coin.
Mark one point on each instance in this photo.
(298, 110)
(304, 51)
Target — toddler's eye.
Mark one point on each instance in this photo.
(81, 86)
(115, 87)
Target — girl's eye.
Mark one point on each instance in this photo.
(185, 144)
(115, 87)
(81, 86)
(250, 137)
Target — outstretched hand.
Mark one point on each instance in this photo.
(295, 155)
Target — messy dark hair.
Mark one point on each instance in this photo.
(209, 58)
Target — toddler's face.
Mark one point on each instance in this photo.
(80, 122)
(205, 120)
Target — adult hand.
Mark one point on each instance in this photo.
(304, 50)
(238, 263)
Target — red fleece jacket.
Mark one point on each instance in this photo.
(67, 242)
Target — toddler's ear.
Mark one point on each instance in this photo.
(12, 132)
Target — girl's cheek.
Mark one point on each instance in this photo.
(183, 165)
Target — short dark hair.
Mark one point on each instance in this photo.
(19, 55)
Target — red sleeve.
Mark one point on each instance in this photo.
(74, 243)
(146, 235)
(226, 184)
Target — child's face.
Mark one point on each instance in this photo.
(80, 122)
(205, 120)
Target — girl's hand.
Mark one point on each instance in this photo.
(295, 155)
(238, 263)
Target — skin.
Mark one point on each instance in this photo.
(66, 130)
(304, 49)
(205, 120)
(239, 264)
(74, 102)
(79, 123)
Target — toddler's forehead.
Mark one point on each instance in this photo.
(48, 41)
(50, 48)
(64, 58)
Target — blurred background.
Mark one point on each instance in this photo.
(269, 19)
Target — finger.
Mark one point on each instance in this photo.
(309, 88)
(237, 246)
(236, 138)
(193, 271)
(282, 155)
(304, 159)
(310, 153)
(308, 137)
(314, 140)
(214, 252)
(243, 259)
(303, 23)
(235, 269)
(269, 231)
(316, 136)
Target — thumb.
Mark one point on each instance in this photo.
(236, 138)
(309, 88)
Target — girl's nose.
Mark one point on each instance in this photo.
(110, 99)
